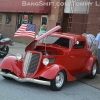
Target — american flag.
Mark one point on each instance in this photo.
(26, 30)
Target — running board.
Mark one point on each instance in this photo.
(80, 75)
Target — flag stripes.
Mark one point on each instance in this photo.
(26, 30)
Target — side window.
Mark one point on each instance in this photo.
(63, 42)
(44, 19)
(0, 18)
(79, 45)
(8, 18)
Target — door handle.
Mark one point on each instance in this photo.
(72, 56)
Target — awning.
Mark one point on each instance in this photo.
(25, 6)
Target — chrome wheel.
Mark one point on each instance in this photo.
(59, 79)
(94, 69)
(58, 82)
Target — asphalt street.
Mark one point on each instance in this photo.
(13, 90)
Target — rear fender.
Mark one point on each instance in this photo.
(51, 72)
(10, 63)
(90, 63)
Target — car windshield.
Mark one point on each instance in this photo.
(65, 42)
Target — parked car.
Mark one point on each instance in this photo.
(59, 57)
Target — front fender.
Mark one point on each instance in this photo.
(51, 72)
(10, 63)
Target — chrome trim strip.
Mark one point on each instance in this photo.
(26, 63)
(25, 79)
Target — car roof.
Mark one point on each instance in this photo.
(69, 35)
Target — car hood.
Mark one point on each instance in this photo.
(48, 33)
(31, 45)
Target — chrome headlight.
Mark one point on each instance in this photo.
(19, 56)
(45, 61)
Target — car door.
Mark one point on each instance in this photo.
(77, 58)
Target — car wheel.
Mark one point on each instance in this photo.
(93, 71)
(58, 82)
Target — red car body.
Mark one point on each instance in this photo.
(67, 58)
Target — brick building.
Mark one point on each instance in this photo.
(72, 18)
(84, 16)
(15, 12)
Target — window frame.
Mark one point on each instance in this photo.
(46, 16)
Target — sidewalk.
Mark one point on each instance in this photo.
(20, 48)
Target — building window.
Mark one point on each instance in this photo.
(44, 19)
(0, 18)
(8, 18)
(27, 18)
(30, 19)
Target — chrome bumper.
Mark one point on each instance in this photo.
(25, 79)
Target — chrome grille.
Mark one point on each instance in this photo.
(30, 63)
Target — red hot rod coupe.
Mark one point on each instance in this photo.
(51, 59)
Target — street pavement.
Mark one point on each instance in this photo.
(13, 90)
(17, 48)
(20, 48)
